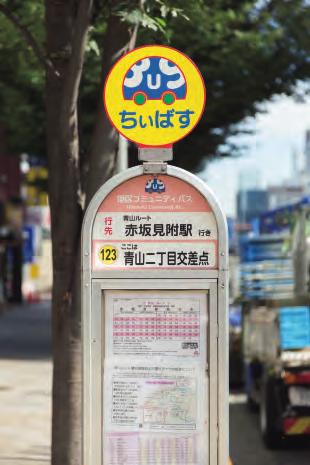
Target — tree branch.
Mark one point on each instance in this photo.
(30, 39)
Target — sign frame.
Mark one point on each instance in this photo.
(94, 283)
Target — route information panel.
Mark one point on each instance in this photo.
(155, 385)
(154, 223)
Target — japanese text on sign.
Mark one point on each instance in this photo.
(170, 119)
(178, 231)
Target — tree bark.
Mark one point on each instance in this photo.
(66, 28)
(103, 151)
(66, 37)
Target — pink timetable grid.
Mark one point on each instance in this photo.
(163, 323)
(158, 327)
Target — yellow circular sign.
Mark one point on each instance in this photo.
(154, 95)
(108, 254)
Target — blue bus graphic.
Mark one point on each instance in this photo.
(154, 78)
(155, 185)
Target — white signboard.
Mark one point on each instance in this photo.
(155, 377)
(155, 324)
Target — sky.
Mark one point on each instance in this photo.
(279, 133)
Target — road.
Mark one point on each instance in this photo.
(25, 397)
(25, 332)
(246, 445)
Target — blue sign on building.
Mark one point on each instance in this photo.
(294, 327)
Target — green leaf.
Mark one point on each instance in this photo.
(92, 46)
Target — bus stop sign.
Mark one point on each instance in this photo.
(154, 284)
(154, 95)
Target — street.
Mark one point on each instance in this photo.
(25, 395)
(246, 445)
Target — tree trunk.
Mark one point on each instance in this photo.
(66, 216)
(104, 144)
(66, 24)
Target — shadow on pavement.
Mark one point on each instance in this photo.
(25, 332)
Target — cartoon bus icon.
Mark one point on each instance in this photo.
(154, 78)
(155, 185)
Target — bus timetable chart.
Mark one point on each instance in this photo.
(146, 324)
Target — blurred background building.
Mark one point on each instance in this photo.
(25, 245)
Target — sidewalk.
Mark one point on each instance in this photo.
(25, 385)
